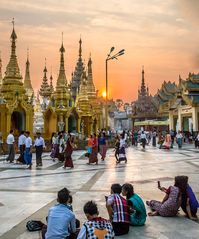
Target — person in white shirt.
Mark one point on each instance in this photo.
(39, 145)
(11, 150)
(143, 139)
(21, 147)
(28, 150)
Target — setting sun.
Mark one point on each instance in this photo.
(104, 94)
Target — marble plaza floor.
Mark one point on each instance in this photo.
(28, 194)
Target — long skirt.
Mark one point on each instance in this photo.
(39, 151)
(28, 156)
(93, 156)
(122, 154)
(154, 141)
(54, 151)
(103, 151)
(68, 161)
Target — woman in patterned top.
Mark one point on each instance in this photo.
(171, 202)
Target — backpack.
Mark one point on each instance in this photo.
(34, 225)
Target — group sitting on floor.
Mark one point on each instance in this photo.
(123, 211)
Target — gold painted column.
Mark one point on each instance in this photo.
(171, 121)
(179, 119)
(195, 119)
(66, 124)
(78, 125)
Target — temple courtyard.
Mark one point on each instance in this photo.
(28, 194)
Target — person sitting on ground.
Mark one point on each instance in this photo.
(171, 202)
(95, 227)
(118, 210)
(61, 220)
(137, 208)
(189, 203)
(167, 142)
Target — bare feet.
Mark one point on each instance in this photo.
(148, 203)
(152, 213)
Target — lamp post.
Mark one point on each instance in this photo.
(110, 57)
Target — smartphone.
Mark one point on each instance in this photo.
(159, 184)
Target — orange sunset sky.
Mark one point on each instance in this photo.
(162, 35)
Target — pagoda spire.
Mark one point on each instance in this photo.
(143, 87)
(62, 81)
(90, 85)
(0, 70)
(51, 82)
(80, 48)
(27, 81)
(12, 69)
(45, 88)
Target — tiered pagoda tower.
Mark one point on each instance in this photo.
(27, 81)
(45, 89)
(16, 112)
(76, 77)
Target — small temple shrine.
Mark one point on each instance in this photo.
(16, 109)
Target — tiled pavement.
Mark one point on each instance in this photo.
(26, 194)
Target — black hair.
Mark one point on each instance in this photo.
(63, 195)
(116, 188)
(28, 132)
(70, 199)
(181, 182)
(129, 190)
(11, 131)
(91, 208)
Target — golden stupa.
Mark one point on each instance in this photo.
(73, 107)
(16, 110)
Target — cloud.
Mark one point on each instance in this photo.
(189, 10)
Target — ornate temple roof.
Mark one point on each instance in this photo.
(27, 81)
(167, 91)
(190, 89)
(76, 76)
(45, 90)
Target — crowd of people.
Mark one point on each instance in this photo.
(63, 145)
(125, 208)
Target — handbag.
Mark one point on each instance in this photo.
(34, 225)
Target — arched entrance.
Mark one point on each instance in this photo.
(18, 120)
(72, 124)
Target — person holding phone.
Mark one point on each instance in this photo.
(170, 203)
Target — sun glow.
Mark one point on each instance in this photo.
(104, 94)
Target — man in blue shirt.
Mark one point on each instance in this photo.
(61, 220)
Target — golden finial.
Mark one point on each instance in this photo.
(62, 37)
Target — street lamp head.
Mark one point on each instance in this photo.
(112, 49)
(121, 51)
